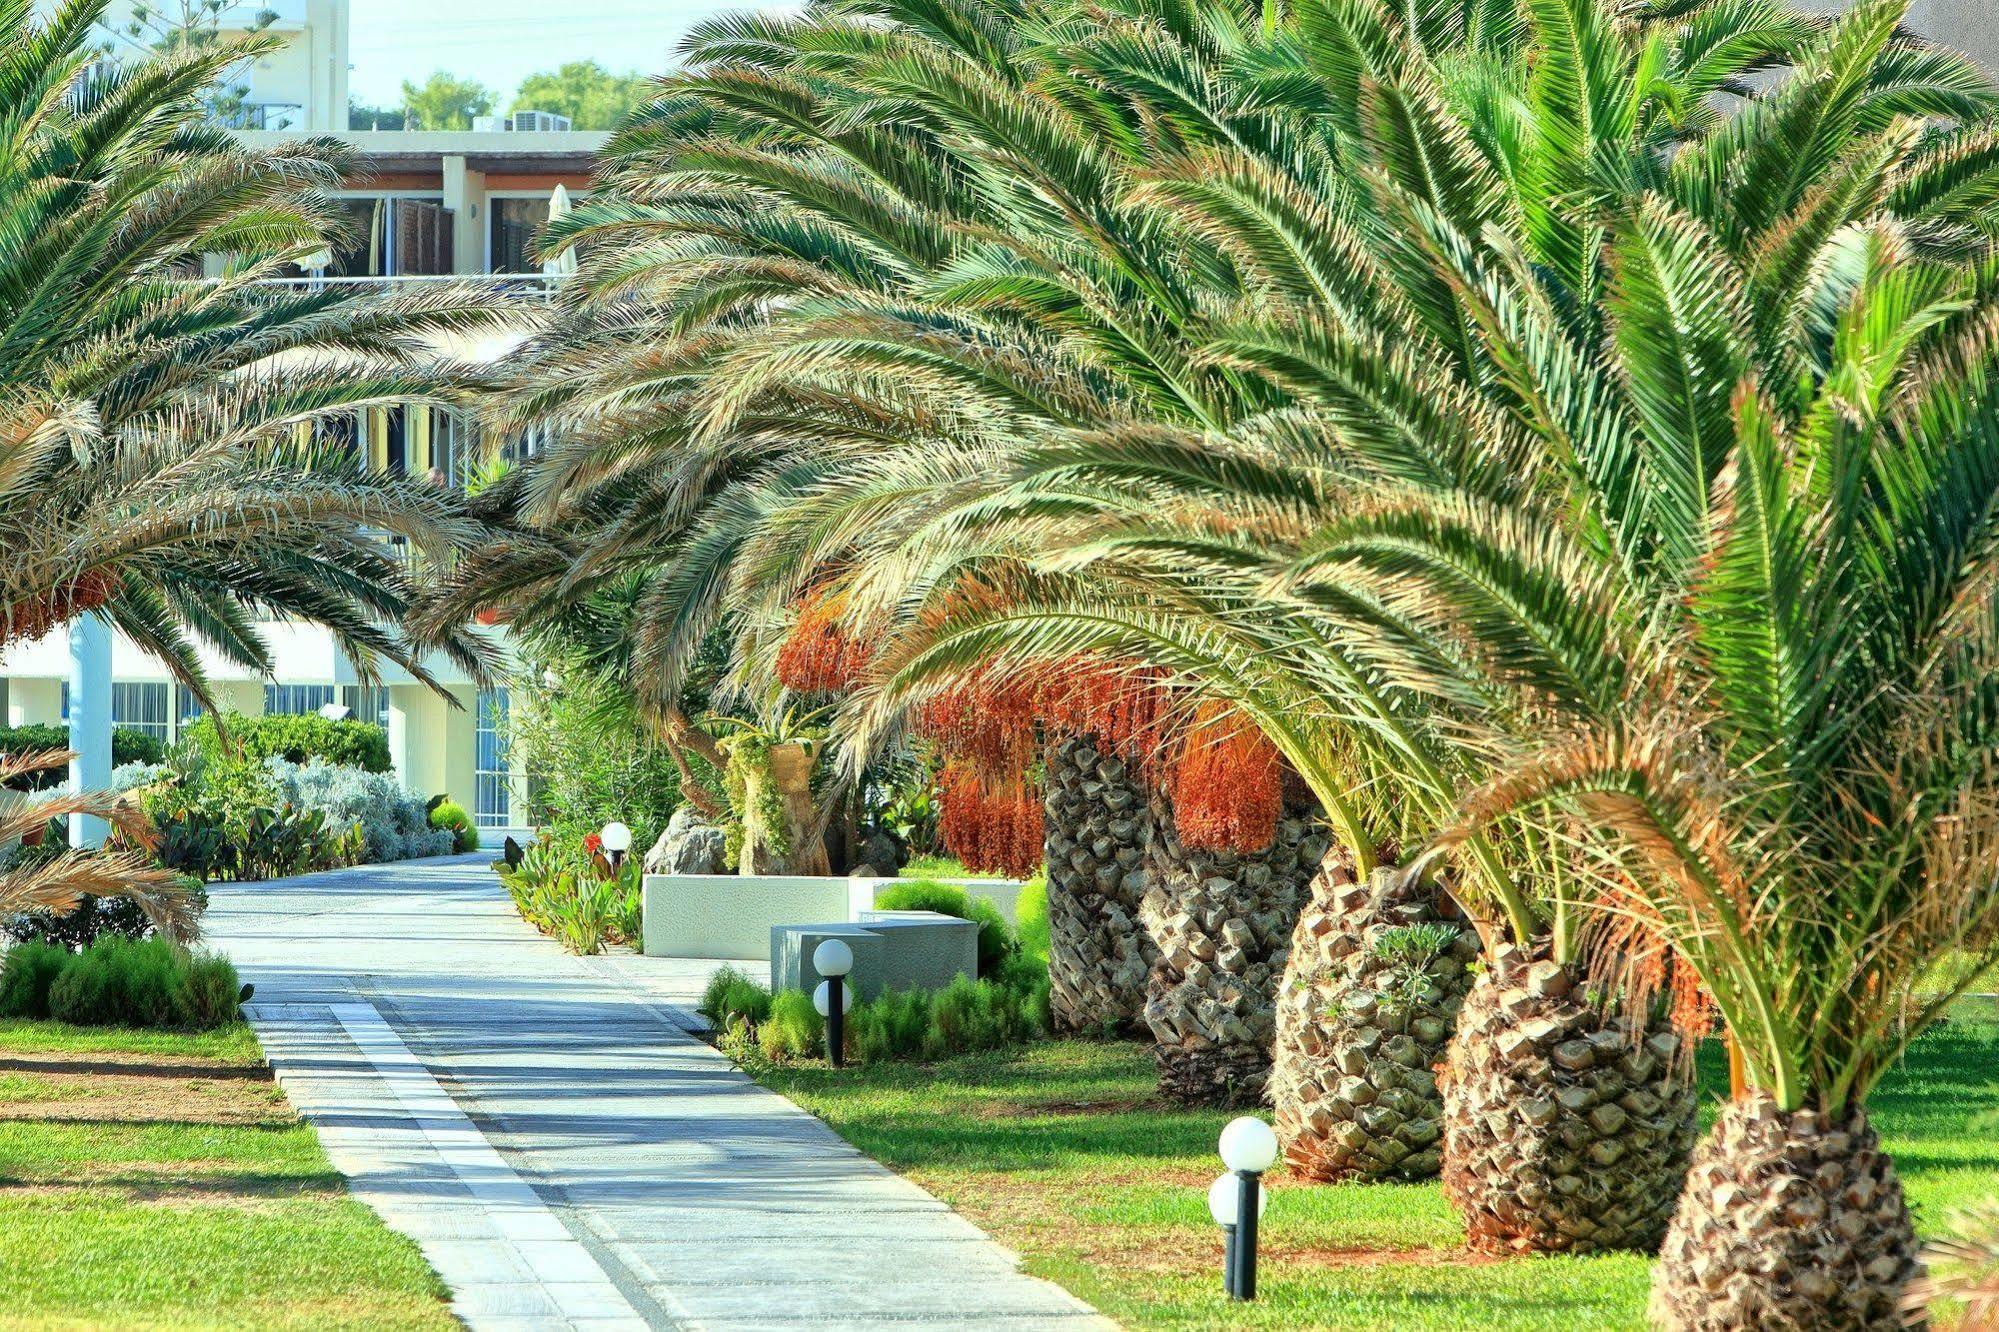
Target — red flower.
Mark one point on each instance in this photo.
(592, 843)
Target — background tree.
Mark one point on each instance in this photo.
(362, 116)
(591, 96)
(445, 102)
(190, 25)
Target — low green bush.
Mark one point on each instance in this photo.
(120, 982)
(574, 896)
(731, 996)
(793, 1030)
(25, 977)
(450, 816)
(296, 738)
(1009, 1009)
(996, 941)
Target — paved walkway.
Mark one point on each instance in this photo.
(565, 1152)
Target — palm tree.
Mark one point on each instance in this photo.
(166, 455)
(58, 884)
(1506, 362)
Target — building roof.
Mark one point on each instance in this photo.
(502, 151)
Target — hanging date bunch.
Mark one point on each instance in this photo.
(820, 655)
(32, 617)
(993, 825)
(1227, 783)
(1121, 705)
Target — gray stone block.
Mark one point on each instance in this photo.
(791, 949)
(896, 950)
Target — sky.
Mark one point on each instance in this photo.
(501, 42)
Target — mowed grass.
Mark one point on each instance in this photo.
(1063, 1152)
(159, 1180)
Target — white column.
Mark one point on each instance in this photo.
(89, 720)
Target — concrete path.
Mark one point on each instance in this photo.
(566, 1154)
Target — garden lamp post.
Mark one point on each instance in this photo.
(617, 839)
(1222, 1205)
(833, 960)
(1248, 1147)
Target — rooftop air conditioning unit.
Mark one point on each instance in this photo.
(531, 122)
(486, 124)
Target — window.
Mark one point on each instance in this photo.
(296, 700)
(186, 708)
(514, 224)
(451, 447)
(490, 778)
(368, 703)
(143, 707)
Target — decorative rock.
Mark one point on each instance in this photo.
(688, 846)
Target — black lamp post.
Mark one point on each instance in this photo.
(833, 960)
(1236, 1200)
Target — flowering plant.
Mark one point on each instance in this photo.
(592, 843)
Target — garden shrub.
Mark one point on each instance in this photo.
(568, 893)
(393, 823)
(450, 816)
(296, 739)
(25, 977)
(133, 983)
(128, 745)
(731, 996)
(996, 941)
(965, 1015)
(793, 1030)
(208, 992)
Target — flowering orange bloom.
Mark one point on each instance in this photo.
(1228, 785)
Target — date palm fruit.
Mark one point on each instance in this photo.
(1377, 973)
(1566, 1129)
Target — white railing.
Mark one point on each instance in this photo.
(522, 286)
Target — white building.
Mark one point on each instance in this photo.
(430, 204)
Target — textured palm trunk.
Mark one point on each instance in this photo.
(1223, 923)
(1565, 1130)
(1787, 1222)
(1359, 1035)
(1098, 827)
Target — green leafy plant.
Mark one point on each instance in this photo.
(296, 738)
(792, 1030)
(122, 982)
(451, 816)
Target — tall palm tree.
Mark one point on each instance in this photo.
(164, 456)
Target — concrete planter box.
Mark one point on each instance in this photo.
(730, 916)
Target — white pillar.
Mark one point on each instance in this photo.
(89, 720)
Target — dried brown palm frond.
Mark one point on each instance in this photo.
(59, 884)
(1963, 1271)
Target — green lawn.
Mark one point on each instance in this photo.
(156, 1180)
(1063, 1153)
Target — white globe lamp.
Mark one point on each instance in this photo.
(832, 958)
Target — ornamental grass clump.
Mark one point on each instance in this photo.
(121, 982)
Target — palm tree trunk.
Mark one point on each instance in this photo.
(1565, 1129)
(1223, 923)
(1097, 830)
(1358, 1037)
(804, 833)
(1787, 1221)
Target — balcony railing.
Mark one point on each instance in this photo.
(520, 286)
(265, 116)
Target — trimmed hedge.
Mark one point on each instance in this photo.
(297, 739)
(128, 745)
(449, 816)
